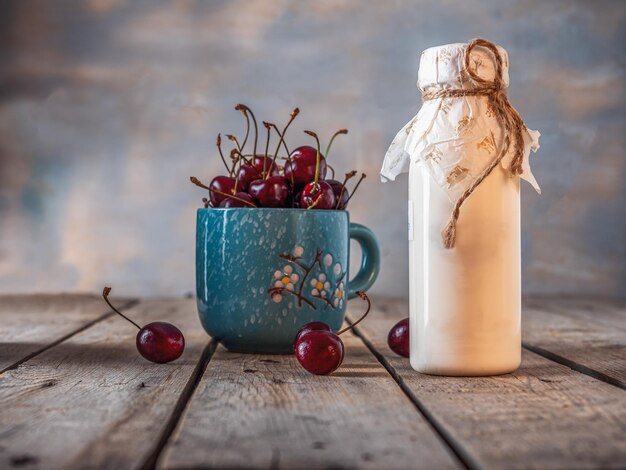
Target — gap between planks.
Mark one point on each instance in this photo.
(89, 324)
(181, 405)
(575, 366)
(455, 447)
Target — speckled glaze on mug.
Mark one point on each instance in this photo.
(263, 273)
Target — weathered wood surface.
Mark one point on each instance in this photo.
(591, 334)
(545, 415)
(92, 401)
(260, 411)
(31, 323)
(77, 395)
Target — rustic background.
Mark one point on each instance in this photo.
(106, 108)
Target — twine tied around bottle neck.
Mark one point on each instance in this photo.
(510, 121)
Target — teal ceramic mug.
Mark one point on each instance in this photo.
(263, 273)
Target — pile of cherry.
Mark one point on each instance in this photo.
(317, 348)
(295, 180)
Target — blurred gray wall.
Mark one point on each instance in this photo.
(107, 107)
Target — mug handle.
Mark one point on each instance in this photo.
(370, 260)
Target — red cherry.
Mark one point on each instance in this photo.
(247, 174)
(339, 194)
(223, 184)
(160, 342)
(320, 352)
(265, 165)
(318, 195)
(239, 200)
(272, 192)
(398, 338)
(311, 326)
(302, 165)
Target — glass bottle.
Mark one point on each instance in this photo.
(465, 293)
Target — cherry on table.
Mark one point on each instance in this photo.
(271, 192)
(398, 338)
(158, 341)
(300, 168)
(311, 326)
(320, 352)
(318, 349)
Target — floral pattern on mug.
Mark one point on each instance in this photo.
(322, 275)
(320, 286)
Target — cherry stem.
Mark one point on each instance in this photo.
(205, 201)
(233, 162)
(218, 142)
(331, 169)
(275, 127)
(267, 143)
(317, 156)
(256, 129)
(343, 187)
(292, 116)
(363, 175)
(241, 156)
(316, 202)
(363, 296)
(245, 113)
(197, 182)
(105, 295)
(232, 138)
(340, 131)
(268, 126)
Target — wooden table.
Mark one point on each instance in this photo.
(75, 394)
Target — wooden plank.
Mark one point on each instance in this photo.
(92, 401)
(545, 415)
(260, 411)
(588, 336)
(31, 323)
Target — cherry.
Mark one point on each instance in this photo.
(238, 200)
(320, 352)
(271, 192)
(312, 326)
(221, 184)
(300, 168)
(224, 196)
(265, 166)
(398, 338)
(318, 349)
(158, 341)
(318, 195)
(247, 174)
(341, 194)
